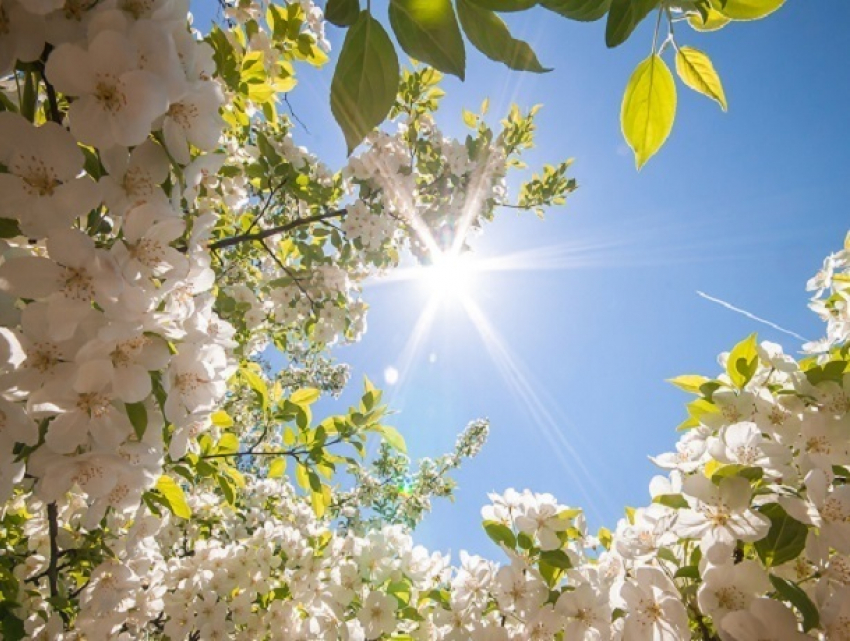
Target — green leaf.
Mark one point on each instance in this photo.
(221, 419)
(675, 501)
(505, 5)
(138, 415)
(649, 108)
(228, 443)
(751, 473)
(428, 31)
(500, 534)
(174, 496)
(277, 468)
(712, 21)
(581, 10)
(747, 9)
(227, 488)
(695, 69)
(785, 540)
(9, 228)
(342, 13)
(556, 558)
(688, 382)
(799, 599)
(393, 437)
(258, 384)
(365, 80)
(490, 35)
(743, 361)
(623, 17)
(687, 572)
(306, 396)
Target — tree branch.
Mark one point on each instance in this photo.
(53, 566)
(273, 231)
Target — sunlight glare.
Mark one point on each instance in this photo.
(450, 276)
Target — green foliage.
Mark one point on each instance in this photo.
(743, 361)
(173, 496)
(623, 17)
(342, 13)
(746, 9)
(649, 108)
(696, 71)
(490, 35)
(795, 595)
(428, 31)
(365, 80)
(785, 540)
(580, 10)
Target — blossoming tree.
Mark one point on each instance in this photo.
(161, 229)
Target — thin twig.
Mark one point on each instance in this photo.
(273, 231)
(53, 564)
(289, 273)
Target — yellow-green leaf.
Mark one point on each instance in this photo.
(743, 361)
(713, 20)
(428, 31)
(649, 108)
(393, 437)
(747, 9)
(173, 493)
(306, 396)
(228, 443)
(491, 36)
(688, 382)
(258, 384)
(222, 419)
(277, 468)
(365, 80)
(695, 69)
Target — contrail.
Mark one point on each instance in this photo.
(752, 316)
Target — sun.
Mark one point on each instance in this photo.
(450, 276)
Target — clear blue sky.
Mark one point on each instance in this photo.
(742, 205)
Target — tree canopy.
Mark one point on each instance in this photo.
(163, 232)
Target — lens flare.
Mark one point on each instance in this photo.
(450, 276)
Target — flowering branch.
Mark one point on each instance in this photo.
(273, 231)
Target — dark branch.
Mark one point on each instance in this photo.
(273, 231)
(53, 566)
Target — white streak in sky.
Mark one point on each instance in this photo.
(751, 316)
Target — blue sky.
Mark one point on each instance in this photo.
(742, 205)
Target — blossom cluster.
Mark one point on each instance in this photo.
(161, 227)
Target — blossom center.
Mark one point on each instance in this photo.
(818, 445)
(834, 511)
(39, 179)
(747, 454)
(93, 403)
(148, 252)
(183, 114)
(44, 357)
(717, 515)
(188, 382)
(137, 182)
(138, 8)
(730, 598)
(87, 473)
(126, 352)
(78, 284)
(109, 95)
